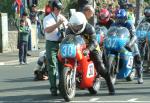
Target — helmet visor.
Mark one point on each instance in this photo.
(121, 20)
(147, 12)
(103, 16)
(76, 28)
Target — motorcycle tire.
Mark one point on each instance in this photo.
(96, 86)
(131, 75)
(112, 69)
(67, 86)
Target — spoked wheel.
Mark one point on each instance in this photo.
(131, 75)
(96, 86)
(112, 69)
(67, 84)
(113, 74)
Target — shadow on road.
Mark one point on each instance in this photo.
(39, 98)
(41, 87)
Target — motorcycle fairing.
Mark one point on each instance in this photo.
(127, 65)
(116, 38)
(142, 31)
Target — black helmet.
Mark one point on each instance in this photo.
(33, 5)
(57, 4)
(147, 12)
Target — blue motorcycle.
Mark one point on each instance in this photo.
(143, 36)
(101, 31)
(119, 59)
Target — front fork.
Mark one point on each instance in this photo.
(74, 72)
(111, 59)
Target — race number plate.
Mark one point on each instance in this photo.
(90, 70)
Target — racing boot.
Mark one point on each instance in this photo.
(110, 85)
(139, 76)
(139, 69)
(100, 68)
(102, 71)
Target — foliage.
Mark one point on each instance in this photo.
(6, 6)
(147, 1)
(69, 4)
(42, 4)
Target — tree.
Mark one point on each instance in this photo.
(6, 6)
(147, 1)
(139, 4)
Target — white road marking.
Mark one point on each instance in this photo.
(60, 101)
(93, 99)
(2, 63)
(132, 100)
(110, 101)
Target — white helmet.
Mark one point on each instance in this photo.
(77, 22)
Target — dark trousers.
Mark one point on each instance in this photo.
(96, 57)
(29, 42)
(23, 51)
(54, 66)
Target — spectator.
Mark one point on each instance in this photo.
(23, 41)
(28, 23)
(35, 21)
(117, 7)
(48, 8)
(52, 26)
(111, 11)
(123, 4)
(33, 14)
(130, 14)
(88, 11)
(81, 4)
(104, 5)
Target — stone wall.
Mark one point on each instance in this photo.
(12, 41)
(13, 38)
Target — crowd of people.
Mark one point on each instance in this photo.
(55, 24)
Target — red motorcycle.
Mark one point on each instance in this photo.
(78, 70)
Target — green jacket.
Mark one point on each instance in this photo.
(23, 33)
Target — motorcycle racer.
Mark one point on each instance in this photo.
(146, 14)
(79, 26)
(121, 20)
(104, 18)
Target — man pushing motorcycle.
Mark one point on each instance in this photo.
(78, 25)
(121, 17)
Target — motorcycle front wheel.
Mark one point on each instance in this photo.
(112, 69)
(67, 84)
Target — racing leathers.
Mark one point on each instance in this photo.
(106, 24)
(95, 54)
(145, 19)
(132, 46)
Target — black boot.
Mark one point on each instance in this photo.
(110, 85)
(100, 68)
(103, 72)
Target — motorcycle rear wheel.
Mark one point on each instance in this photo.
(67, 84)
(96, 86)
(131, 75)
